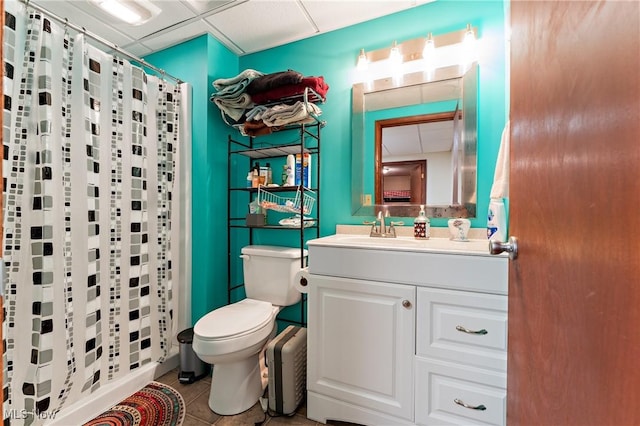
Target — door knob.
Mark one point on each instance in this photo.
(511, 247)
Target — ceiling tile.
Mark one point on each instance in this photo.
(331, 15)
(175, 36)
(244, 26)
(258, 25)
(138, 49)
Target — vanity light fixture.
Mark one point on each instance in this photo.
(423, 54)
(363, 62)
(133, 12)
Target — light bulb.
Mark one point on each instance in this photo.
(394, 55)
(429, 53)
(469, 46)
(363, 62)
(469, 41)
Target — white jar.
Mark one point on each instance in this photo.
(459, 229)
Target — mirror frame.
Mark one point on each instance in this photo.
(468, 164)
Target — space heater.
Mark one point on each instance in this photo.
(287, 362)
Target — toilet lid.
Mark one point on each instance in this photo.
(234, 320)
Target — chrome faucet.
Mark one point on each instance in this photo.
(383, 222)
(379, 226)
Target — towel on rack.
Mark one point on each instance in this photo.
(255, 128)
(234, 107)
(271, 81)
(229, 88)
(282, 114)
(247, 75)
(500, 187)
(317, 84)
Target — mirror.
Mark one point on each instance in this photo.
(422, 133)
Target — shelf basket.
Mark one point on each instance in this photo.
(271, 201)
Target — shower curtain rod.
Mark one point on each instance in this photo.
(99, 39)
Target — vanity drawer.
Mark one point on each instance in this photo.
(462, 326)
(440, 384)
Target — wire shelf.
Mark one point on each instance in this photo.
(301, 204)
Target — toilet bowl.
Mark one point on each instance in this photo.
(233, 337)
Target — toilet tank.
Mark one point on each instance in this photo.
(269, 273)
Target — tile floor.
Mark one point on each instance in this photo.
(196, 397)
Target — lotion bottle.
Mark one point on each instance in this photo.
(421, 226)
(291, 167)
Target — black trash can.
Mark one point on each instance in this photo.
(192, 368)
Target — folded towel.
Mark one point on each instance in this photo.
(282, 114)
(317, 84)
(500, 188)
(234, 107)
(229, 88)
(271, 81)
(246, 75)
(255, 113)
(255, 128)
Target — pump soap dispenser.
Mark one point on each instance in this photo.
(421, 226)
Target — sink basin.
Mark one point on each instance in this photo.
(404, 244)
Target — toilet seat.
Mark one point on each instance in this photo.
(236, 320)
(234, 329)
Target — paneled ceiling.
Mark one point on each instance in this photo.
(244, 26)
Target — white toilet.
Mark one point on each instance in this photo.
(233, 337)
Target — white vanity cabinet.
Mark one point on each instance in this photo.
(406, 332)
(363, 346)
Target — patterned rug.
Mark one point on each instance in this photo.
(154, 405)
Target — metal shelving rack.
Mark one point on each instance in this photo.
(252, 150)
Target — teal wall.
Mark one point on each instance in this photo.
(199, 62)
(333, 56)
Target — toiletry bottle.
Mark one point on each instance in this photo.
(250, 179)
(421, 226)
(285, 175)
(269, 174)
(255, 181)
(291, 167)
(497, 220)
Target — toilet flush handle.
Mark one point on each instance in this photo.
(245, 256)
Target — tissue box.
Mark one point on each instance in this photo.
(256, 219)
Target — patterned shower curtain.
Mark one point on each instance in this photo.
(90, 152)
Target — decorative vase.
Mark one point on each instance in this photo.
(458, 229)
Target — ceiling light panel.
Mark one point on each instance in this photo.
(76, 13)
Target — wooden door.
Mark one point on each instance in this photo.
(574, 291)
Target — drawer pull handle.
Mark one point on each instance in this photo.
(471, 407)
(466, 330)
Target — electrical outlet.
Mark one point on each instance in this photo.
(367, 200)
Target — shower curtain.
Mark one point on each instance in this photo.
(90, 157)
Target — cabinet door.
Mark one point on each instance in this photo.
(361, 343)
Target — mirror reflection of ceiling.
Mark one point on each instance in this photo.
(435, 91)
(408, 142)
